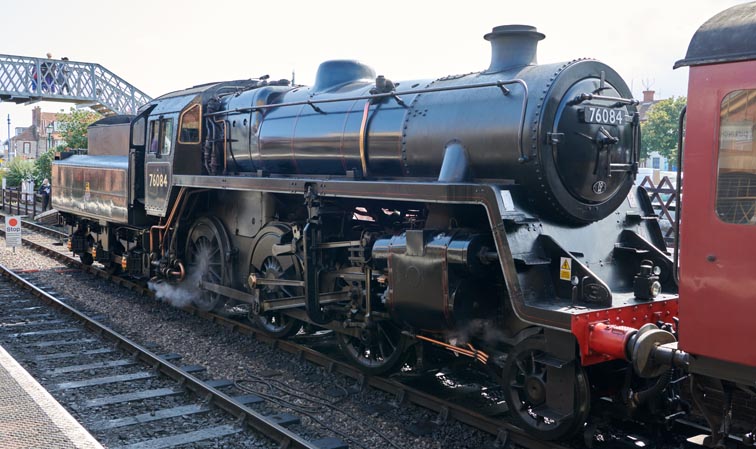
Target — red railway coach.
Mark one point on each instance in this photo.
(717, 241)
(718, 223)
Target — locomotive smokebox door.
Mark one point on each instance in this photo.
(595, 153)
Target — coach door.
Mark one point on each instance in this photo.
(160, 147)
(718, 221)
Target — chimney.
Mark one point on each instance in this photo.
(648, 96)
(36, 117)
(513, 46)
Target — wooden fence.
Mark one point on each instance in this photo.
(21, 203)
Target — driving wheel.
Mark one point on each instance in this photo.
(265, 265)
(207, 247)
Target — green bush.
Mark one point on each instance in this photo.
(43, 166)
(19, 170)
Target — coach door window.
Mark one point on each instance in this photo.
(736, 180)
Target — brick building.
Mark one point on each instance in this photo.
(44, 133)
(647, 103)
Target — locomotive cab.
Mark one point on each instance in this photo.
(171, 145)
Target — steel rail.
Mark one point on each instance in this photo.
(244, 414)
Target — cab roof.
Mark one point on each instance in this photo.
(726, 37)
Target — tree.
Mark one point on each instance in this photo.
(43, 165)
(73, 126)
(659, 131)
(19, 170)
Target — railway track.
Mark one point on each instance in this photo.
(99, 373)
(446, 410)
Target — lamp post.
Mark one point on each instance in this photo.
(10, 157)
(49, 131)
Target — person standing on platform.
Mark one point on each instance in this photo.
(45, 190)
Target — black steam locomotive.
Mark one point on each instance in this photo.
(461, 212)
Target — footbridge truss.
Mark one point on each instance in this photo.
(25, 80)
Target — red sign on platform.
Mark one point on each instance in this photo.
(13, 231)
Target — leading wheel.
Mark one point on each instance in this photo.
(525, 380)
(207, 246)
(377, 350)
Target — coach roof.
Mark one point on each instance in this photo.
(726, 37)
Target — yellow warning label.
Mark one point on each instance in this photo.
(565, 268)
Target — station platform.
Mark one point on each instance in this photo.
(30, 417)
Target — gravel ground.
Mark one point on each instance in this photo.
(359, 416)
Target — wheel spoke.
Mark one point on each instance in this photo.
(216, 250)
(381, 350)
(521, 367)
(388, 338)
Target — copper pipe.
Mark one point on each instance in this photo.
(168, 221)
(472, 353)
(181, 273)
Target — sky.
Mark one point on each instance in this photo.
(165, 45)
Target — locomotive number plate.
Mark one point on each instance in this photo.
(603, 116)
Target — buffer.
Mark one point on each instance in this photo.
(27, 80)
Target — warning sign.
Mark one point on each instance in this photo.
(565, 268)
(13, 231)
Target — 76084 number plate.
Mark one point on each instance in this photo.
(604, 116)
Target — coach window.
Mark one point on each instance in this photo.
(736, 181)
(189, 124)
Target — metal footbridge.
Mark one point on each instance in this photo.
(26, 80)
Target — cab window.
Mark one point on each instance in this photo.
(138, 132)
(161, 136)
(167, 133)
(190, 125)
(736, 179)
(154, 135)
